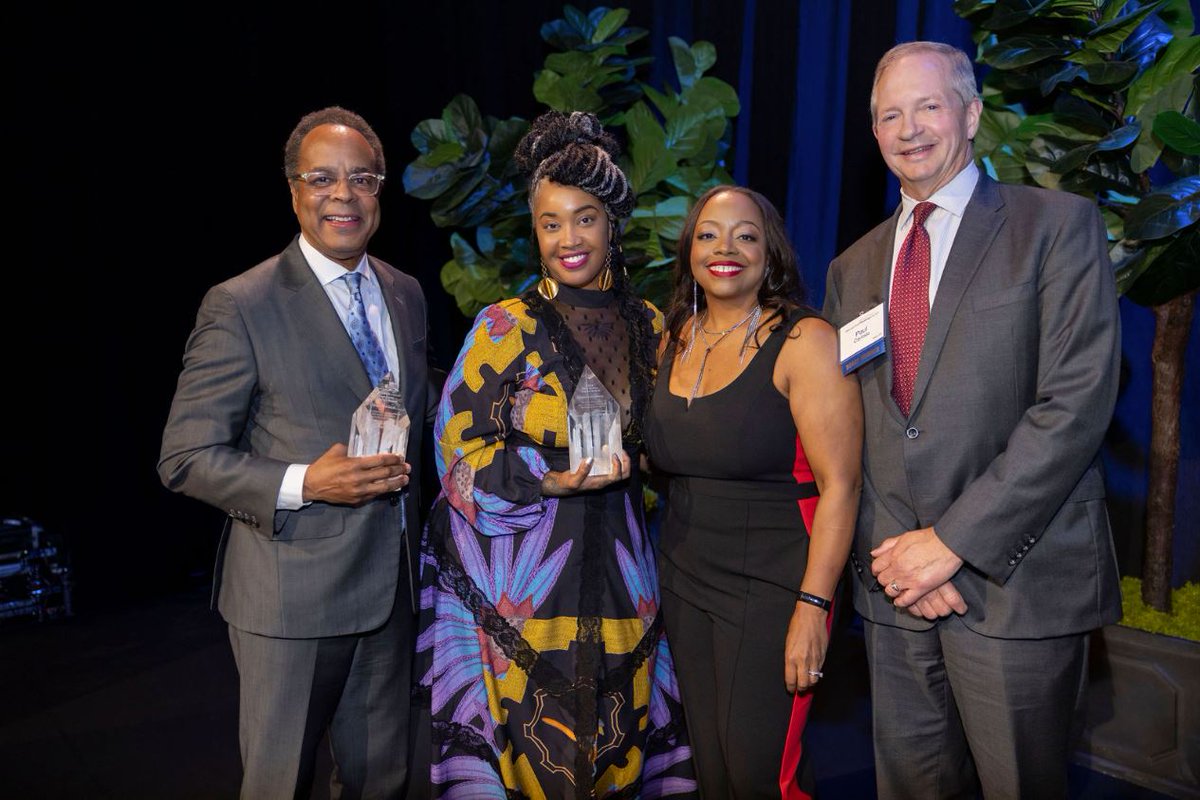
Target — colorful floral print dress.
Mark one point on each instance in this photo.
(541, 644)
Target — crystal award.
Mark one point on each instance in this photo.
(593, 424)
(380, 425)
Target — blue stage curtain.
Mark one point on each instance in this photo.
(818, 121)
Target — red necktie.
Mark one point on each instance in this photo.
(909, 307)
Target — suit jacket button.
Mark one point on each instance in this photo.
(1012, 562)
(394, 498)
(912, 433)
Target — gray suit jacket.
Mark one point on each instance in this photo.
(270, 378)
(1015, 389)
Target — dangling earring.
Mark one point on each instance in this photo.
(687, 351)
(606, 277)
(547, 287)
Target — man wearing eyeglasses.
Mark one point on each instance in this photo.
(316, 569)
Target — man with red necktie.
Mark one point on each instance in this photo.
(982, 550)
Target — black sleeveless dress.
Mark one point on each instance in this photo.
(732, 553)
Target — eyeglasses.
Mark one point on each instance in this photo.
(363, 184)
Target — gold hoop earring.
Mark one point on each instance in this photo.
(547, 287)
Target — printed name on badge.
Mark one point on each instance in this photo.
(861, 339)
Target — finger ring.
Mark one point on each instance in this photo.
(895, 588)
(816, 673)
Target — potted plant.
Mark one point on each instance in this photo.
(1097, 97)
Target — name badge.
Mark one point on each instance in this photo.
(861, 339)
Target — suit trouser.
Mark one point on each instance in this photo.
(355, 687)
(950, 704)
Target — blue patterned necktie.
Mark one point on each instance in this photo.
(360, 332)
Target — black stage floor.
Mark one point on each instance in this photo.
(140, 701)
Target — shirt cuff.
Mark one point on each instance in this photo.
(291, 491)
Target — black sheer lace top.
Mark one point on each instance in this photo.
(599, 330)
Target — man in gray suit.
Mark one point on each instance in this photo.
(316, 569)
(982, 551)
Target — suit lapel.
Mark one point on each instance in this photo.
(312, 311)
(981, 221)
(397, 313)
(881, 260)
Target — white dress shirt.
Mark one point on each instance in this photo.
(942, 225)
(330, 274)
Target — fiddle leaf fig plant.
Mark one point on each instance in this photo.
(1098, 97)
(675, 142)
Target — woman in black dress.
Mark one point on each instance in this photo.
(761, 436)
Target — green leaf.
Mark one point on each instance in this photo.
(502, 142)
(473, 281)
(444, 153)
(713, 93)
(996, 125)
(1109, 36)
(427, 182)
(1021, 51)
(686, 132)
(429, 134)
(1178, 132)
(578, 21)
(1117, 140)
(967, 8)
(1172, 97)
(1165, 211)
(685, 63)
(667, 104)
(1100, 175)
(652, 161)
(463, 120)
(704, 55)
(1105, 73)
(1130, 260)
(610, 23)
(1175, 271)
(1008, 15)
(565, 93)
(561, 34)
(1010, 168)
(1114, 224)
(1177, 14)
(1120, 138)
(458, 200)
(693, 181)
(582, 66)
(1179, 59)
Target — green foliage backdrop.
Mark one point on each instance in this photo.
(1098, 97)
(675, 139)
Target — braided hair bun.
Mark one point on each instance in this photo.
(575, 150)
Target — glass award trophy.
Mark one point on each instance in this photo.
(593, 424)
(380, 425)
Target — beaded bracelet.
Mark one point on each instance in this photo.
(812, 599)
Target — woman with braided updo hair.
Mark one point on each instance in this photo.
(541, 639)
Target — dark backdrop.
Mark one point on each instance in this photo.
(146, 154)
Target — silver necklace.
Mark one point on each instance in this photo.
(752, 318)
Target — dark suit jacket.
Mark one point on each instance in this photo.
(270, 378)
(1015, 389)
